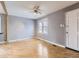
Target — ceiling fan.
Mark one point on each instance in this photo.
(36, 9)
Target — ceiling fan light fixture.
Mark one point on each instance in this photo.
(36, 10)
(35, 14)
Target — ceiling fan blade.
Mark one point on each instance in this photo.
(36, 7)
(40, 13)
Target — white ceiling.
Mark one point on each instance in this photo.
(24, 8)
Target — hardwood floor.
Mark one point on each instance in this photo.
(35, 48)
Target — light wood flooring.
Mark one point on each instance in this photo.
(35, 48)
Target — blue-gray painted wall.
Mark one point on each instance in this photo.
(2, 28)
(19, 28)
(56, 34)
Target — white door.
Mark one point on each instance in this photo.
(71, 40)
(78, 30)
(67, 30)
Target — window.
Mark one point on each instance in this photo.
(40, 27)
(43, 26)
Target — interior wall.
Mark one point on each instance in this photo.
(19, 28)
(56, 34)
(2, 28)
(35, 29)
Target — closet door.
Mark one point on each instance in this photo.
(67, 30)
(78, 30)
(72, 30)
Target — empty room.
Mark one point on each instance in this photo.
(39, 29)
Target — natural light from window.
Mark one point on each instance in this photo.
(43, 26)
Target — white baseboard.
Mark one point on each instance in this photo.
(15, 40)
(31, 38)
(2, 42)
(19, 40)
(50, 42)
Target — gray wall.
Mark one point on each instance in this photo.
(19, 28)
(35, 29)
(2, 28)
(56, 34)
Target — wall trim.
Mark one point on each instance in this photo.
(51, 42)
(9, 41)
(35, 38)
(2, 42)
(18, 40)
